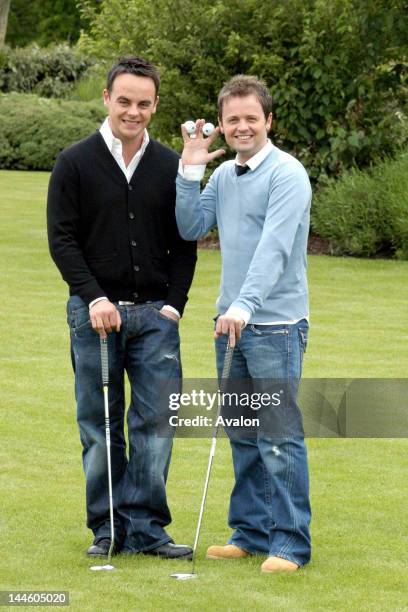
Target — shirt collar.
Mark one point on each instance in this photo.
(114, 144)
(254, 161)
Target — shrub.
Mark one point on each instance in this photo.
(47, 72)
(34, 130)
(90, 86)
(366, 213)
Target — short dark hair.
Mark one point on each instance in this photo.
(133, 65)
(244, 85)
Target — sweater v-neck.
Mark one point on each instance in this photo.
(112, 164)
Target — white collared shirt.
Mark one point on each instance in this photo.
(254, 161)
(115, 147)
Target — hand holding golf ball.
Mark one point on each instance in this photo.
(198, 137)
(190, 126)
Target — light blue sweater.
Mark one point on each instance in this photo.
(263, 223)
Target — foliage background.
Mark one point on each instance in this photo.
(44, 22)
(49, 72)
(337, 70)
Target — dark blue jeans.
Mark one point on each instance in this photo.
(269, 507)
(147, 349)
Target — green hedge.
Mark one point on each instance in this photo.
(366, 213)
(49, 72)
(34, 130)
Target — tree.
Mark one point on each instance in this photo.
(45, 22)
(4, 12)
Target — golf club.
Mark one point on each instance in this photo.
(224, 378)
(105, 384)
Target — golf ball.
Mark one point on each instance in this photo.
(208, 129)
(190, 127)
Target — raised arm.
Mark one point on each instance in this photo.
(195, 213)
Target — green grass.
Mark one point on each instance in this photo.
(358, 488)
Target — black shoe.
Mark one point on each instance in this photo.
(100, 549)
(171, 551)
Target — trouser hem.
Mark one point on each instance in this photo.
(246, 548)
(148, 548)
(289, 558)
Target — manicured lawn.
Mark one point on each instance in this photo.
(359, 496)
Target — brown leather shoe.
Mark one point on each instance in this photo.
(226, 552)
(277, 564)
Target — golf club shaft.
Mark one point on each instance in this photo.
(224, 377)
(105, 382)
(207, 479)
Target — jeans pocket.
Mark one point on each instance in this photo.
(156, 307)
(166, 318)
(268, 330)
(78, 318)
(303, 333)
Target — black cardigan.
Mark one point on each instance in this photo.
(114, 239)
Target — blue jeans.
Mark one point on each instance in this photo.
(147, 349)
(269, 506)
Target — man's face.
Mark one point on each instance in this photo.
(244, 125)
(131, 103)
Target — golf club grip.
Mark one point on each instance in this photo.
(104, 361)
(226, 369)
(225, 374)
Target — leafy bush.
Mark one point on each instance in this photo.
(366, 213)
(47, 72)
(90, 86)
(337, 70)
(34, 130)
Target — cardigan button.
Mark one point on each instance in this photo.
(136, 268)
(131, 215)
(133, 243)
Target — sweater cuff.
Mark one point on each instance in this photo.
(239, 313)
(191, 172)
(176, 300)
(90, 292)
(172, 309)
(96, 300)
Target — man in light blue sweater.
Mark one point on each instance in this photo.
(261, 204)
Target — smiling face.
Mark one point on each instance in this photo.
(244, 125)
(131, 103)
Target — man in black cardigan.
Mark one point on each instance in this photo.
(112, 234)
